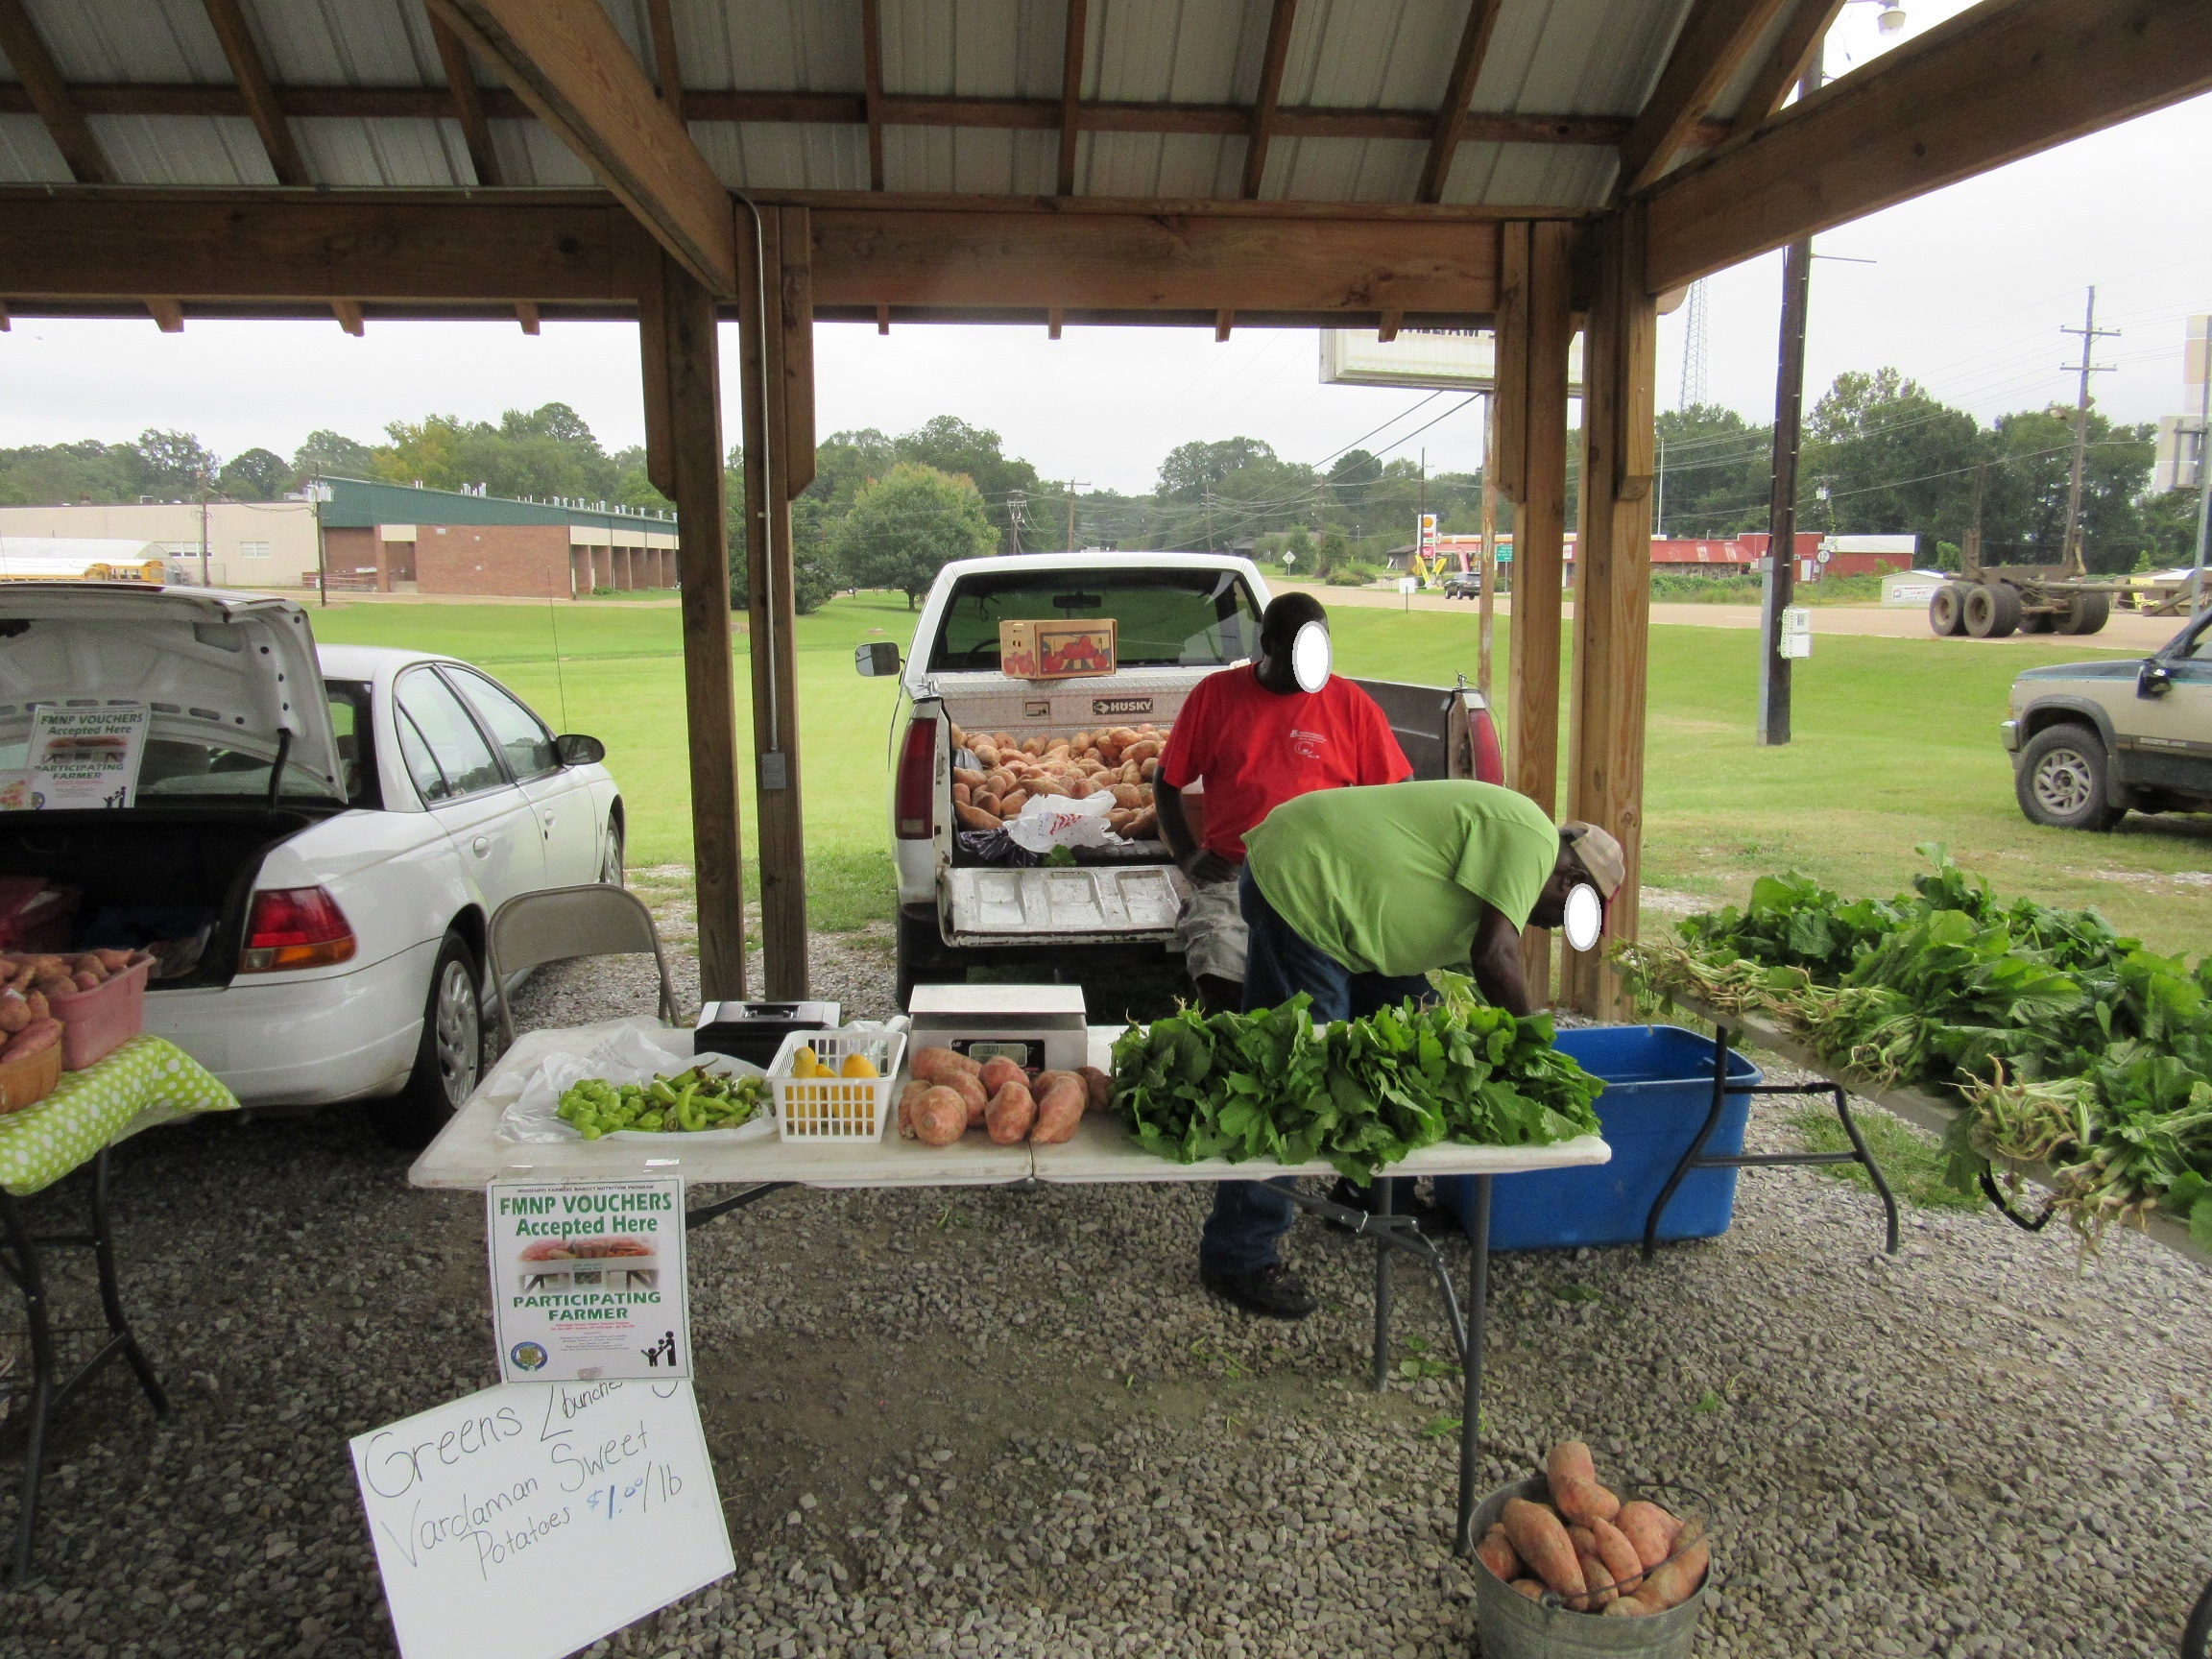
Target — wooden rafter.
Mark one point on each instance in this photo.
(1714, 42)
(1785, 61)
(1072, 90)
(467, 102)
(229, 18)
(44, 94)
(349, 314)
(578, 77)
(667, 67)
(2002, 81)
(872, 86)
(1268, 99)
(1449, 126)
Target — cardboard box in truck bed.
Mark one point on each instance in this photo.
(1056, 650)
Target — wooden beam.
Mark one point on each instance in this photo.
(1539, 547)
(1450, 121)
(1224, 319)
(526, 314)
(1387, 331)
(797, 317)
(872, 86)
(468, 103)
(667, 67)
(851, 109)
(2002, 81)
(1613, 587)
(1071, 49)
(1508, 408)
(573, 70)
(1265, 104)
(348, 315)
(6, 322)
(228, 21)
(1785, 61)
(1714, 42)
(883, 319)
(1055, 319)
(44, 92)
(168, 315)
(765, 341)
(689, 376)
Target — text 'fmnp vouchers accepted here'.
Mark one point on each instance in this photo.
(588, 1280)
(532, 1518)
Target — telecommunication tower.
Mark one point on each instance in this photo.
(1693, 345)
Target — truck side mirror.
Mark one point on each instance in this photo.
(2155, 681)
(878, 660)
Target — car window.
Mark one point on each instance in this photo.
(422, 765)
(2202, 650)
(464, 758)
(1190, 618)
(350, 704)
(521, 735)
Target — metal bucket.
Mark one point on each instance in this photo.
(1511, 1627)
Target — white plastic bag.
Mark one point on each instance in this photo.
(631, 1056)
(1048, 821)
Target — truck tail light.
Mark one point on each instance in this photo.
(294, 927)
(916, 805)
(1489, 753)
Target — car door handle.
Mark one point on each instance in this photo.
(481, 845)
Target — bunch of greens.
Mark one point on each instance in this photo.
(689, 1101)
(1361, 1094)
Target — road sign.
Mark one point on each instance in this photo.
(1450, 359)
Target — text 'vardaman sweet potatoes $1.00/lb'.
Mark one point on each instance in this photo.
(1596, 1554)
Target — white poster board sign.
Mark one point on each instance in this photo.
(532, 1518)
(79, 758)
(1797, 631)
(588, 1280)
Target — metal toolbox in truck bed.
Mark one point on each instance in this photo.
(992, 905)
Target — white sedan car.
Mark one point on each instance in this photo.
(324, 941)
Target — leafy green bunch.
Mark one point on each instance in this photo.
(1361, 1094)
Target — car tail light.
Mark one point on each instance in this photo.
(916, 806)
(294, 927)
(1489, 754)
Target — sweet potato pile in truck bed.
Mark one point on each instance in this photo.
(1013, 771)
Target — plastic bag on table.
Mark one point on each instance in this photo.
(1049, 821)
(628, 1056)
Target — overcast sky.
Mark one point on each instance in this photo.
(1966, 292)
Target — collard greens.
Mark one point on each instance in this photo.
(1361, 1094)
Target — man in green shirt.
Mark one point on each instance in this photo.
(1353, 896)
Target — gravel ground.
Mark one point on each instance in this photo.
(1010, 1423)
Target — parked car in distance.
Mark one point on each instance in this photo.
(2092, 741)
(1463, 585)
(320, 935)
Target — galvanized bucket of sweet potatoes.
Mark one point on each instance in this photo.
(1513, 1626)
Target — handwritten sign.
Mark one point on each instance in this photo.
(532, 1518)
(588, 1280)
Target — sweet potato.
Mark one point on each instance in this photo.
(1622, 1559)
(88, 980)
(974, 817)
(1496, 1552)
(1142, 825)
(1595, 1571)
(33, 1039)
(55, 985)
(37, 999)
(1540, 1539)
(942, 1065)
(1060, 1107)
(15, 1012)
(987, 753)
(1673, 1582)
(1098, 1087)
(1649, 1529)
(1000, 1071)
(1532, 1588)
(1012, 801)
(1574, 1487)
(1626, 1607)
(115, 961)
(940, 1116)
(971, 1091)
(1010, 1114)
(969, 776)
(963, 796)
(908, 1097)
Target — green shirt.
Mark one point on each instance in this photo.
(1393, 879)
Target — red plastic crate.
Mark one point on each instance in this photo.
(35, 916)
(96, 1022)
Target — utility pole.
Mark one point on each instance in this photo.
(2203, 369)
(1486, 596)
(1971, 556)
(204, 581)
(2090, 334)
(1780, 587)
(1074, 485)
(1659, 508)
(1208, 519)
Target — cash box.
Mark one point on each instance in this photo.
(1034, 1025)
(1057, 650)
(752, 1031)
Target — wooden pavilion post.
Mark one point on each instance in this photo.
(683, 457)
(1613, 584)
(775, 329)
(1535, 328)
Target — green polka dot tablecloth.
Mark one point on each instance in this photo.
(147, 1081)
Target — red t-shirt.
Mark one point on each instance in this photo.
(1256, 749)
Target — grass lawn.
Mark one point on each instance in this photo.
(1896, 743)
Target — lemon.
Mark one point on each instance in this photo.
(805, 1064)
(859, 1066)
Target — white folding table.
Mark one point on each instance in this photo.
(470, 1154)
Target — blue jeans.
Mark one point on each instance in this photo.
(1250, 1216)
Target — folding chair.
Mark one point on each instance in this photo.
(563, 923)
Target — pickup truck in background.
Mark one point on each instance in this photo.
(1179, 617)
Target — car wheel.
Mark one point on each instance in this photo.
(1945, 611)
(2061, 780)
(611, 864)
(449, 1057)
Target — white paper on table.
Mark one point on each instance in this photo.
(631, 1056)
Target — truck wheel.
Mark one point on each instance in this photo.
(2038, 622)
(2061, 780)
(449, 1056)
(1992, 610)
(2086, 613)
(1946, 610)
(922, 960)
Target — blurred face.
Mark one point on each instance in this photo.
(1550, 907)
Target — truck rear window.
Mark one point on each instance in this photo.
(1164, 618)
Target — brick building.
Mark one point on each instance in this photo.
(396, 538)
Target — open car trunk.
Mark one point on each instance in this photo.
(175, 882)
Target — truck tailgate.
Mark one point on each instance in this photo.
(1077, 906)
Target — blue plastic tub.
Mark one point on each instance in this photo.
(1658, 1086)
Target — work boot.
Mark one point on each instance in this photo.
(1272, 1291)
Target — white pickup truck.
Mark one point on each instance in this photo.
(1179, 617)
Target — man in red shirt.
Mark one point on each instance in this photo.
(1256, 741)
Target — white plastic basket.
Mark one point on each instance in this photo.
(852, 1110)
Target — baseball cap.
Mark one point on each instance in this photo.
(1598, 853)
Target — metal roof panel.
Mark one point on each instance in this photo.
(407, 155)
(765, 155)
(797, 45)
(152, 40)
(180, 150)
(27, 153)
